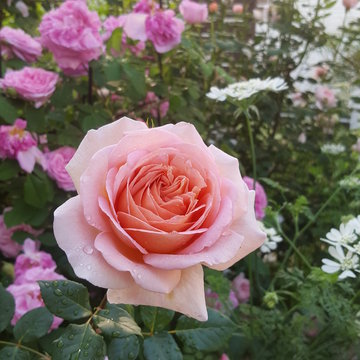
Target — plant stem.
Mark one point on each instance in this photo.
(43, 356)
(252, 147)
(90, 85)
(341, 36)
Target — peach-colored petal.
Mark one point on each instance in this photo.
(248, 227)
(76, 237)
(188, 297)
(122, 258)
(95, 140)
(229, 168)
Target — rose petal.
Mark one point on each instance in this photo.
(76, 237)
(188, 297)
(125, 259)
(97, 139)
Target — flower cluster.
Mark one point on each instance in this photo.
(344, 248)
(272, 239)
(333, 149)
(31, 266)
(245, 89)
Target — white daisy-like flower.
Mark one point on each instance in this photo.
(245, 89)
(216, 94)
(271, 241)
(347, 264)
(344, 236)
(350, 182)
(333, 149)
(355, 224)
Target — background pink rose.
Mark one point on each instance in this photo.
(260, 197)
(350, 3)
(55, 162)
(154, 205)
(72, 33)
(15, 42)
(193, 12)
(241, 288)
(325, 97)
(33, 84)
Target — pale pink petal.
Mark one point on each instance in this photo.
(135, 26)
(122, 258)
(188, 297)
(26, 160)
(76, 237)
(97, 139)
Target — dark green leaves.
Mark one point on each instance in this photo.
(205, 336)
(8, 170)
(124, 348)
(7, 306)
(66, 299)
(38, 190)
(33, 325)
(115, 322)
(14, 353)
(161, 346)
(79, 342)
(8, 111)
(156, 318)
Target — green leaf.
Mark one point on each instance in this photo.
(33, 325)
(136, 82)
(47, 342)
(7, 306)
(205, 336)
(125, 348)
(14, 353)
(20, 236)
(36, 120)
(8, 170)
(92, 121)
(114, 43)
(8, 112)
(38, 190)
(66, 299)
(156, 318)
(115, 322)
(218, 283)
(79, 342)
(47, 238)
(161, 346)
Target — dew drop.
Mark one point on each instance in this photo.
(71, 337)
(88, 249)
(60, 344)
(115, 334)
(88, 266)
(86, 346)
(55, 283)
(70, 292)
(58, 292)
(139, 276)
(64, 301)
(131, 355)
(76, 312)
(47, 284)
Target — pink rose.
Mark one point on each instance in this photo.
(320, 71)
(30, 259)
(154, 205)
(56, 161)
(72, 33)
(8, 246)
(224, 357)
(146, 6)
(241, 288)
(17, 143)
(193, 12)
(154, 106)
(233, 299)
(27, 297)
(33, 84)
(15, 42)
(260, 197)
(349, 4)
(238, 8)
(212, 300)
(164, 30)
(325, 97)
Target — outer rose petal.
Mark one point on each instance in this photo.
(253, 236)
(135, 26)
(188, 297)
(95, 140)
(76, 237)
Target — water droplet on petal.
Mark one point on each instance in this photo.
(88, 249)
(88, 266)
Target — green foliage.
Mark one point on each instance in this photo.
(161, 346)
(7, 306)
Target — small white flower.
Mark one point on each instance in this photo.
(355, 223)
(344, 236)
(333, 149)
(216, 94)
(347, 264)
(350, 182)
(245, 89)
(271, 241)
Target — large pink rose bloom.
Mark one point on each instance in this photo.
(260, 197)
(15, 42)
(56, 161)
(193, 12)
(72, 33)
(154, 205)
(33, 84)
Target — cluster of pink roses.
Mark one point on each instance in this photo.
(18, 143)
(31, 266)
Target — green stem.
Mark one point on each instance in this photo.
(252, 147)
(341, 36)
(43, 356)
